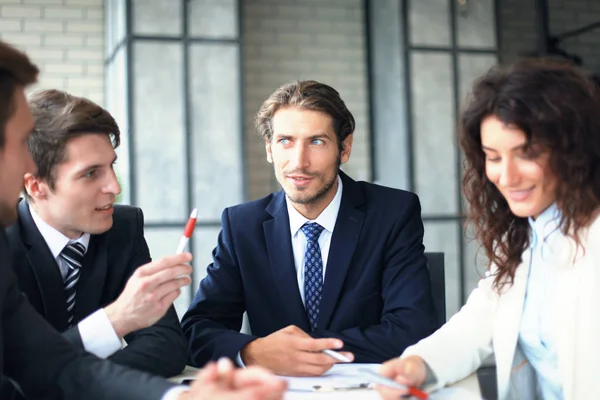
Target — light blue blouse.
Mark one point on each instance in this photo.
(536, 336)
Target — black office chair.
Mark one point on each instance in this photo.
(435, 262)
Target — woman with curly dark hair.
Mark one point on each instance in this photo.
(531, 138)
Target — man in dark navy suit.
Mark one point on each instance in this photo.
(327, 263)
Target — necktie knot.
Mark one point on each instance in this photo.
(312, 231)
(73, 254)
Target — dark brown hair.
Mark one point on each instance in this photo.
(59, 117)
(310, 95)
(557, 106)
(16, 70)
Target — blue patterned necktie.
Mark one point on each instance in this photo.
(73, 255)
(313, 272)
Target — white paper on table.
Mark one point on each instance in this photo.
(339, 376)
(347, 375)
(451, 393)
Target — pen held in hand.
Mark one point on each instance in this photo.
(374, 377)
(336, 355)
(187, 232)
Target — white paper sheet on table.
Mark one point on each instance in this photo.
(341, 375)
(347, 375)
(451, 393)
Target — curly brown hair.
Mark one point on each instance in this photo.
(557, 106)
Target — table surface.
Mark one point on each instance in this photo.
(468, 386)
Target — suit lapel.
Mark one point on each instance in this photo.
(92, 278)
(343, 244)
(281, 257)
(45, 269)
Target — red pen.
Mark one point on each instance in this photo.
(187, 232)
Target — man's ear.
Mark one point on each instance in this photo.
(35, 188)
(268, 150)
(346, 148)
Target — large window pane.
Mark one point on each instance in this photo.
(433, 132)
(471, 67)
(116, 104)
(211, 18)
(443, 237)
(159, 131)
(429, 22)
(216, 128)
(114, 23)
(205, 240)
(476, 24)
(157, 17)
(163, 242)
(388, 86)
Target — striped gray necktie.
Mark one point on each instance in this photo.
(73, 255)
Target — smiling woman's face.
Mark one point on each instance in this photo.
(520, 172)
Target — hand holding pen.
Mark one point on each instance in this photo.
(151, 289)
(401, 376)
(292, 352)
(149, 293)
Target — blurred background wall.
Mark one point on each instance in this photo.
(184, 79)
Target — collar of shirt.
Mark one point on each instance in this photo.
(326, 219)
(544, 225)
(55, 240)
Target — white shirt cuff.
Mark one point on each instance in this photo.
(239, 361)
(174, 392)
(98, 335)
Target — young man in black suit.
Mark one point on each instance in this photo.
(79, 258)
(32, 354)
(326, 263)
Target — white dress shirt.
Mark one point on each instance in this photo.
(536, 335)
(96, 331)
(327, 220)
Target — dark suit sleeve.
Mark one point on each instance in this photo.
(161, 348)
(408, 313)
(45, 365)
(73, 336)
(213, 321)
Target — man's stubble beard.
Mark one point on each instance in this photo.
(321, 193)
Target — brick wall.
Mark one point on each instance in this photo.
(304, 39)
(65, 38)
(519, 34)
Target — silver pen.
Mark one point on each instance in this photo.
(336, 355)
